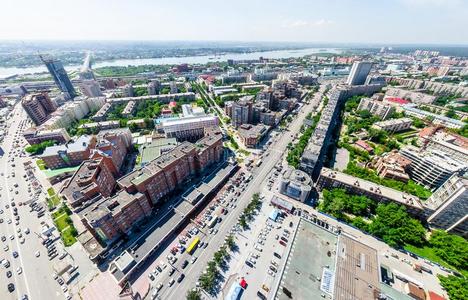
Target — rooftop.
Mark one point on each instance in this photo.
(80, 144)
(314, 250)
(373, 188)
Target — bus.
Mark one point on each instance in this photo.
(258, 163)
(193, 245)
(213, 222)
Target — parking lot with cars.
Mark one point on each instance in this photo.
(26, 269)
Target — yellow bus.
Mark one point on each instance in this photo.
(193, 245)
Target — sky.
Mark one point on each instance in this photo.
(336, 21)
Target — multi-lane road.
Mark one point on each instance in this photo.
(34, 280)
(276, 150)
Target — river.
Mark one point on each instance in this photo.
(203, 59)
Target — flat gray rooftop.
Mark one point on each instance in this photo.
(313, 250)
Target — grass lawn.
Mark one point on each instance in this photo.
(50, 191)
(427, 253)
(40, 164)
(61, 222)
(67, 237)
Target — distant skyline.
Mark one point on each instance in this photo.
(319, 21)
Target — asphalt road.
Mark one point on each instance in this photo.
(35, 280)
(276, 150)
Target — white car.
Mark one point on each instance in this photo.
(171, 282)
(193, 259)
(19, 270)
(37, 254)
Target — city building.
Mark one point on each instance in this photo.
(34, 136)
(60, 76)
(411, 110)
(330, 179)
(392, 165)
(38, 107)
(101, 114)
(114, 143)
(313, 156)
(454, 145)
(296, 184)
(377, 108)
(251, 135)
(431, 168)
(69, 154)
(128, 91)
(188, 128)
(94, 179)
(394, 125)
(359, 72)
(90, 88)
(363, 146)
(242, 112)
(155, 148)
(449, 206)
(153, 87)
(129, 109)
(415, 97)
(110, 218)
(164, 174)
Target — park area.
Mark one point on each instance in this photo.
(64, 225)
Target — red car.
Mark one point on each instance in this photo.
(282, 243)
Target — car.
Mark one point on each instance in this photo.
(11, 287)
(64, 288)
(27, 231)
(274, 263)
(159, 286)
(248, 263)
(151, 276)
(24, 297)
(181, 277)
(6, 248)
(171, 282)
(37, 253)
(282, 243)
(54, 276)
(184, 264)
(252, 260)
(15, 254)
(19, 270)
(284, 239)
(258, 248)
(193, 259)
(9, 221)
(277, 255)
(171, 271)
(63, 255)
(8, 274)
(272, 268)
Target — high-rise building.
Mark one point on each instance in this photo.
(60, 76)
(431, 167)
(242, 112)
(449, 204)
(153, 87)
(359, 72)
(38, 107)
(90, 88)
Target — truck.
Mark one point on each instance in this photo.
(213, 222)
(259, 162)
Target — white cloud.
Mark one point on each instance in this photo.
(307, 23)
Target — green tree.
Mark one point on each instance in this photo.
(193, 295)
(396, 227)
(456, 287)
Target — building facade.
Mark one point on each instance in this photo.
(377, 108)
(359, 72)
(449, 206)
(296, 184)
(60, 76)
(38, 107)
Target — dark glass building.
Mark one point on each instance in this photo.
(60, 76)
